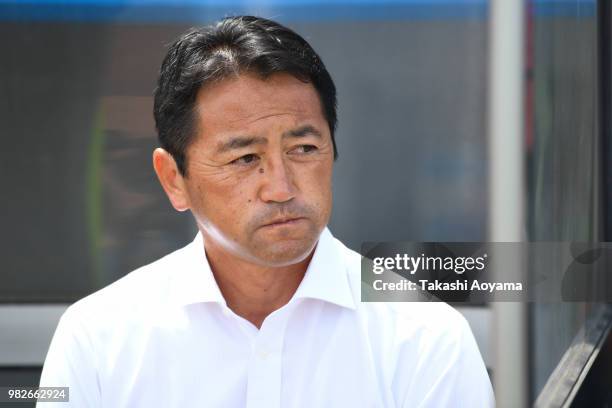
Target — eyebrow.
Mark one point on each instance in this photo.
(239, 142)
(303, 131)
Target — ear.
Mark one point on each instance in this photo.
(171, 179)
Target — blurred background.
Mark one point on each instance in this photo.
(420, 155)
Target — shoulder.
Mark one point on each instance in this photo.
(426, 348)
(141, 292)
(404, 323)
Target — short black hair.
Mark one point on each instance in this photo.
(232, 45)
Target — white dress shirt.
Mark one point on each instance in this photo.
(163, 336)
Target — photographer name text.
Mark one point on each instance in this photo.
(436, 285)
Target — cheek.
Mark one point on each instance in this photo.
(223, 202)
(317, 185)
(323, 173)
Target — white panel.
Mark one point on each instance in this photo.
(26, 332)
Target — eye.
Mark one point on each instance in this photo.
(246, 159)
(304, 149)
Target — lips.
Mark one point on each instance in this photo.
(283, 221)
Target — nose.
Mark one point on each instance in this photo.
(278, 184)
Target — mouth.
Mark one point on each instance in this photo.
(287, 221)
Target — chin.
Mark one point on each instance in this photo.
(286, 253)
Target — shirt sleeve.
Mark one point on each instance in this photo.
(450, 371)
(70, 362)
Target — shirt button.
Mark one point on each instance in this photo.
(263, 354)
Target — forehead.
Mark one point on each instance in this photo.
(247, 101)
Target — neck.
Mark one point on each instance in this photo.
(253, 291)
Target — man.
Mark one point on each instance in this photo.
(263, 308)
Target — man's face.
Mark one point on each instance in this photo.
(259, 170)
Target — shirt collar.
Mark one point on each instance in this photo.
(194, 281)
(326, 277)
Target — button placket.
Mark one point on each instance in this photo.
(265, 366)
